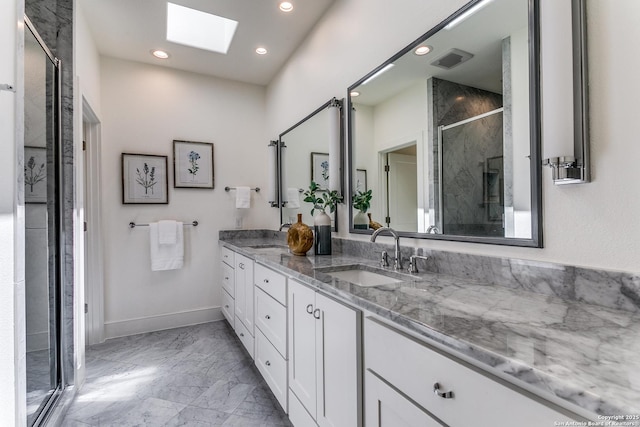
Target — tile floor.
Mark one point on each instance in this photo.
(192, 376)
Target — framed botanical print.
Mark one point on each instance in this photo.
(35, 175)
(192, 164)
(320, 169)
(144, 179)
(361, 180)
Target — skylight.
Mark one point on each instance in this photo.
(199, 29)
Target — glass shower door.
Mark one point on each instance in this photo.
(41, 225)
(472, 196)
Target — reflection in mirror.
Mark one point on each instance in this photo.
(442, 131)
(41, 237)
(305, 157)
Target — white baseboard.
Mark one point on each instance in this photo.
(122, 328)
(37, 341)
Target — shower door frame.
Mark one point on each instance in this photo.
(56, 328)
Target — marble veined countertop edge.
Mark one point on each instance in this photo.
(564, 351)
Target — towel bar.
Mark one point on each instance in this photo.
(134, 225)
(227, 189)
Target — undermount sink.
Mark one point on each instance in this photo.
(362, 275)
(268, 248)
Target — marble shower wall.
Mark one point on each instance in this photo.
(464, 163)
(53, 19)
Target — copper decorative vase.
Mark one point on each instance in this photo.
(299, 237)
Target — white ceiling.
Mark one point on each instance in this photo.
(130, 29)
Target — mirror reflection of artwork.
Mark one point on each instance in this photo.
(320, 169)
(35, 175)
(361, 180)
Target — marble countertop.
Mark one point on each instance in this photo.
(574, 352)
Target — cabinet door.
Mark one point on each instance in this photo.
(338, 367)
(302, 345)
(385, 407)
(244, 291)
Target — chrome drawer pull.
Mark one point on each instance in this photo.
(316, 313)
(310, 309)
(226, 306)
(442, 394)
(241, 334)
(267, 363)
(267, 317)
(226, 278)
(266, 280)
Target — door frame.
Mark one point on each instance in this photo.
(94, 262)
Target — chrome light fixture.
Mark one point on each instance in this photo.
(564, 80)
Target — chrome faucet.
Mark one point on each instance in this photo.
(397, 263)
(433, 229)
(284, 225)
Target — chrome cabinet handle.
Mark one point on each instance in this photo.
(241, 334)
(267, 363)
(226, 278)
(267, 317)
(241, 266)
(442, 394)
(310, 309)
(316, 313)
(266, 280)
(226, 306)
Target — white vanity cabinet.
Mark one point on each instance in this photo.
(422, 385)
(244, 301)
(228, 280)
(271, 330)
(324, 368)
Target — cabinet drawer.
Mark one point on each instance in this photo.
(271, 319)
(275, 284)
(477, 399)
(227, 256)
(228, 279)
(245, 336)
(273, 368)
(228, 307)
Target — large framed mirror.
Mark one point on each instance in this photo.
(311, 150)
(446, 134)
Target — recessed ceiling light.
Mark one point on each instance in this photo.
(261, 51)
(161, 54)
(199, 29)
(286, 6)
(354, 93)
(422, 50)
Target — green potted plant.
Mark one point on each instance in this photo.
(361, 201)
(322, 221)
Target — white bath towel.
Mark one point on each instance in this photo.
(243, 197)
(166, 257)
(167, 232)
(293, 198)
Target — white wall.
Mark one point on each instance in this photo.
(87, 61)
(144, 108)
(12, 316)
(590, 225)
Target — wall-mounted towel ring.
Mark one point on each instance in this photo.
(134, 225)
(227, 189)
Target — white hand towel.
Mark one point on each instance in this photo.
(243, 197)
(167, 232)
(166, 257)
(293, 198)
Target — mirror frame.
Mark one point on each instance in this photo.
(341, 120)
(534, 141)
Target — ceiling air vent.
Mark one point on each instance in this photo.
(452, 59)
